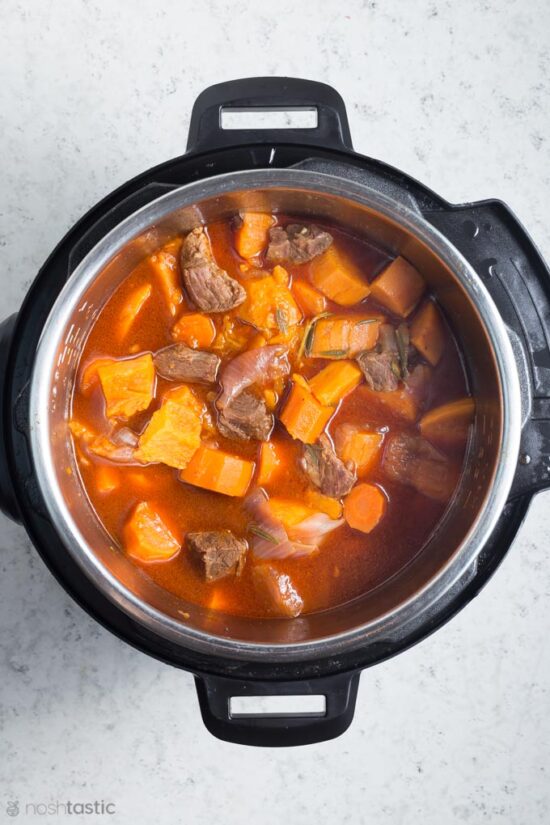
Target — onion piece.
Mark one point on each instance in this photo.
(256, 366)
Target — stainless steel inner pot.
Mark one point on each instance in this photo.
(492, 453)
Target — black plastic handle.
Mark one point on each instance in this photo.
(268, 94)
(8, 500)
(277, 730)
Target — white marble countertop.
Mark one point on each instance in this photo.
(456, 729)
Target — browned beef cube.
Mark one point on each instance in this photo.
(219, 553)
(326, 470)
(180, 363)
(209, 287)
(245, 417)
(296, 243)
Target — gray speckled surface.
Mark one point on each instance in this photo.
(455, 730)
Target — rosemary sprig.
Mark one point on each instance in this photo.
(263, 534)
(334, 353)
(307, 340)
(402, 338)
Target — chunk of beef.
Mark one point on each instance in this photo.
(326, 470)
(218, 552)
(180, 363)
(277, 589)
(384, 366)
(209, 287)
(412, 460)
(297, 243)
(245, 417)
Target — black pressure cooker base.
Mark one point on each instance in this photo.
(487, 234)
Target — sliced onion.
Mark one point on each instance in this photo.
(314, 527)
(256, 366)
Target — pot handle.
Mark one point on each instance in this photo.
(8, 500)
(268, 94)
(277, 729)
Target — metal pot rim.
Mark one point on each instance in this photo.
(139, 222)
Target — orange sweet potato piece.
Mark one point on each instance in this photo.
(174, 431)
(401, 402)
(448, 425)
(132, 307)
(335, 381)
(303, 416)
(399, 287)
(428, 333)
(269, 305)
(252, 235)
(268, 463)
(219, 471)
(310, 300)
(361, 447)
(107, 479)
(146, 536)
(342, 337)
(323, 504)
(338, 277)
(89, 376)
(364, 507)
(128, 385)
(195, 329)
(165, 264)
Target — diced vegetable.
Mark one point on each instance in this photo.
(128, 385)
(289, 511)
(252, 235)
(165, 264)
(448, 425)
(268, 463)
(131, 309)
(303, 416)
(310, 300)
(280, 275)
(400, 402)
(325, 504)
(399, 287)
(428, 333)
(174, 431)
(336, 381)
(338, 337)
(256, 366)
(107, 479)
(364, 507)
(277, 590)
(219, 471)
(362, 447)
(89, 376)
(146, 536)
(195, 329)
(269, 305)
(338, 277)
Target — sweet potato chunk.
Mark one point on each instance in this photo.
(268, 463)
(448, 425)
(338, 277)
(219, 471)
(166, 268)
(360, 447)
(195, 329)
(399, 287)
(174, 431)
(133, 306)
(146, 536)
(336, 381)
(337, 337)
(252, 235)
(303, 416)
(128, 385)
(280, 595)
(310, 300)
(428, 333)
(269, 305)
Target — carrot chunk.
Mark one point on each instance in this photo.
(165, 264)
(174, 431)
(361, 447)
(364, 507)
(428, 333)
(399, 287)
(146, 536)
(336, 337)
(448, 425)
(219, 471)
(194, 329)
(268, 463)
(107, 479)
(269, 305)
(310, 300)
(131, 309)
(303, 416)
(338, 277)
(128, 385)
(335, 381)
(252, 235)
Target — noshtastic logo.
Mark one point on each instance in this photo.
(57, 808)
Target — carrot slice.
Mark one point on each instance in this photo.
(428, 333)
(131, 309)
(165, 264)
(448, 425)
(310, 300)
(219, 471)
(268, 463)
(338, 277)
(364, 507)
(252, 235)
(399, 287)
(336, 381)
(128, 385)
(362, 447)
(146, 536)
(303, 416)
(194, 329)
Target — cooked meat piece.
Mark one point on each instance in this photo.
(209, 287)
(326, 470)
(245, 417)
(412, 460)
(219, 553)
(180, 363)
(278, 591)
(384, 366)
(297, 243)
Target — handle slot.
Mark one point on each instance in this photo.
(245, 707)
(269, 117)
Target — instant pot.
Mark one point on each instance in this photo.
(495, 290)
